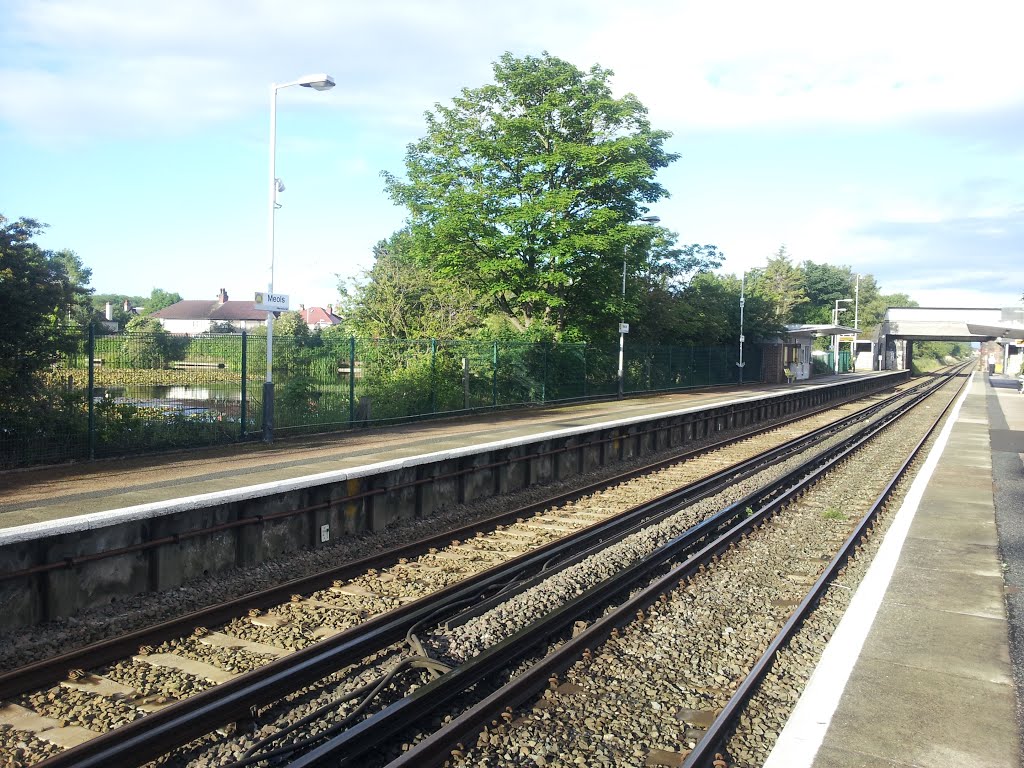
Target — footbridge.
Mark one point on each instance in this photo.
(902, 326)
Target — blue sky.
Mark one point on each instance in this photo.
(886, 136)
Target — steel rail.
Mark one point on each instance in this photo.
(704, 753)
(50, 671)
(376, 730)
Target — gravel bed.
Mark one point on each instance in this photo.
(72, 707)
(217, 752)
(467, 640)
(18, 748)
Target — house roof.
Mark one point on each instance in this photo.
(201, 309)
(319, 316)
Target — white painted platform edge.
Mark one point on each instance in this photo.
(96, 520)
(805, 730)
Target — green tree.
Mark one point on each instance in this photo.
(823, 285)
(523, 190)
(401, 298)
(78, 310)
(159, 299)
(36, 286)
(146, 343)
(117, 311)
(781, 284)
(707, 312)
(294, 346)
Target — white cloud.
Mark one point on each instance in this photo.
(124, 67)
(730, 63)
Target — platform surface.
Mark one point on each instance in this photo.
(53, 493)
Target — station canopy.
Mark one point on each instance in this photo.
(822, 330)
(1007, 331)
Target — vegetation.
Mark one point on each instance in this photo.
(932, 355)
(523, 191)
(47, 289)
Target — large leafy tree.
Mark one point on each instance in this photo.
(524, 190)
(37, 287)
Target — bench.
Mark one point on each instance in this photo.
(790, 375)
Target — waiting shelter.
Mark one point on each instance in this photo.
(798, 347)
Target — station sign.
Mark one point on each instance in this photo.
(623, 327)
(271, 302)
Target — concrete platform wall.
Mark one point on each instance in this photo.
(56, 569)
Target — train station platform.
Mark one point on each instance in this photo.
(62, 491)
(920, 672)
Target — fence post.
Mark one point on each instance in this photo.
(90, 389)
(245, 385)
(351, 380)
(494, 376)
(544, 380)
(433, 375)
(584, 369)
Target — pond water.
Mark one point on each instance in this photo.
(228, 393)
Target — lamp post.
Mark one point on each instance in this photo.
(623, 327)
(856, 322)
(743, 283)
(835, 336)
(320, 82)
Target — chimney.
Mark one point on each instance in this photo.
(330, 309)
(302, 307)
(108, 312)
(127, 306)
(223, 296)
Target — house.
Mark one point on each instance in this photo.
(195, 316)
(318, 317)
(109, 324)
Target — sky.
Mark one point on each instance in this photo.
(884, 136)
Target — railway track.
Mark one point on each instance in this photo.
(177, 688)
(697, 668)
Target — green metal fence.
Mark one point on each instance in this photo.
(134, 392)
(825, 364)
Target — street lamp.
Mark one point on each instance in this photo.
(856, 323)
(623, 326)
(319, 82)
(835, 336)
(743, 283)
